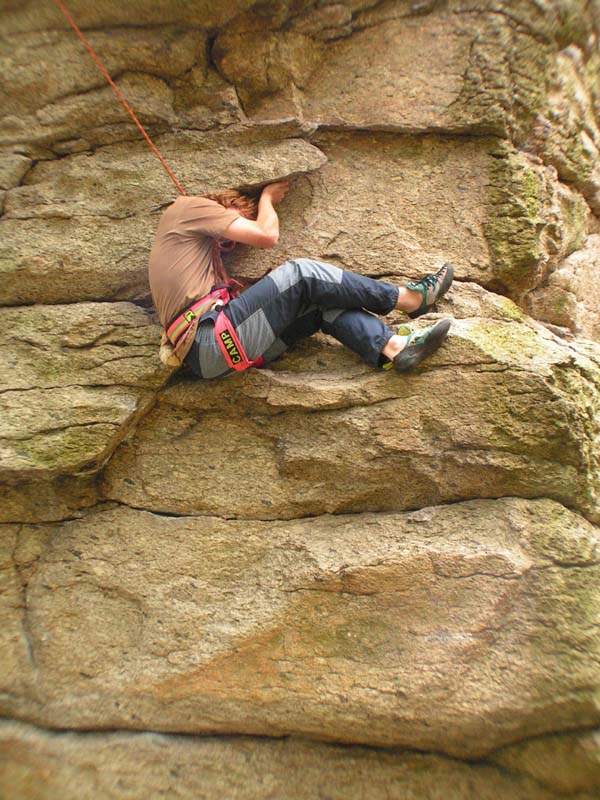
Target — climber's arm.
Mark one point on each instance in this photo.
(264, 232)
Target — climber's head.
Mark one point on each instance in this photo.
(246, 204)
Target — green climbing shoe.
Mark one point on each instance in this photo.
(432, 287)
(421, 344)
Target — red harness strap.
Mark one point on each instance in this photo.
(179, 327)
(227, 338)
(231, 347)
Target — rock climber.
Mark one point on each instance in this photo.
(215, 333)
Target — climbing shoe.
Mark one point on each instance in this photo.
(421, 344)
(432, 287)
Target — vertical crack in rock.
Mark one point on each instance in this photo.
(24, 572)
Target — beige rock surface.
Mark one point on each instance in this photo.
(453, 66)
(64, 430)
(396, 206)
(382, 206)
(74, 379)
(84, 185)
(110, 261)
(32, 15)
(100, 344)
(567, 763)
(571, 295)
(75, 200)
(82, 121)
(387, 629)
(566, 133)
(46, 499)
(35, 83)
(12, 168)
(335, 436)
(40, 765)
(169, 559)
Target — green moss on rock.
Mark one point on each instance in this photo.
(512, 228)
(533, 221)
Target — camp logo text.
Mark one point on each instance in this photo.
(232, 350)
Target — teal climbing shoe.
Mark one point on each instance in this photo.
(431, 287)
(420, 344)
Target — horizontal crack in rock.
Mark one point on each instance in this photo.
(233, 735)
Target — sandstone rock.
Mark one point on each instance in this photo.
(79, 121)
(567, 763)
(459, 68)
(467, 300)
(386, 86)
(92, 214)
(455, 131)
(460, 427)
(72, 378)
(89, 344)
(17, 662)
(77, 259)
(383, 206)
(261, 63)
(456, 629)
(45, 499)
(49, 431)
(203, 100)
(328, 22)
(33, 15)
(335, 85)
(41, 765)
(566, 134)
(13, 167)
(121, 180)
(96, 115)
(62, 67)
(533, 222)
(571, 295)
(391, 206)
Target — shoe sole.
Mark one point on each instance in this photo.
(434, 341)
(446, 284)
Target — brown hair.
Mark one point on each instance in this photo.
(246, 204)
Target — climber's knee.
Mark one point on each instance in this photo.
(286, 275)
(305, 270)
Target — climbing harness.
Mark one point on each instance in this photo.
(225, 289)
(225, 334)
(126, 105)
(181, 324)
(231, 347)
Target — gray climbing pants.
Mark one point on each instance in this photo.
(294, 301)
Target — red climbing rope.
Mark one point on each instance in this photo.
(126, 105)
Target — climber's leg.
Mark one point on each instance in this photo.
(278, 302)
(274, 302)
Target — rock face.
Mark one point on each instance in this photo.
(343, 627)
(253, 430)
(331, 579)
(48, 765)
(569, 298)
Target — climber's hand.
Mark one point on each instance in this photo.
(276, 191)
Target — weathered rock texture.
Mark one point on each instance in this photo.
(76, 766)
(336, 582)
(343, 627)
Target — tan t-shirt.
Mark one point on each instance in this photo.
(181, 269)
